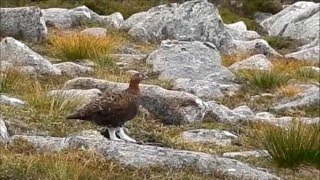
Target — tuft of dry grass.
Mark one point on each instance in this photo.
(9, 79)
(20, 160)
(80, 46)
(228, 60)
(289, 90)
(287, 65)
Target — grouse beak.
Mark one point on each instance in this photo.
(145, 77)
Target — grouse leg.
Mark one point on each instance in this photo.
(112, 134)
(123, 135)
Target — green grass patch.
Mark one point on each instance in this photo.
(264, 79)
(291, 147)
(307, 74)
(284, 45)
(229, 17)
(8, 80)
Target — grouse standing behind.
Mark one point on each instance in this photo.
(113, 109)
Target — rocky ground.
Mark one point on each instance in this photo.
(202, 108)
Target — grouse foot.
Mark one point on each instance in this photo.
(112, 134)
(124, 136)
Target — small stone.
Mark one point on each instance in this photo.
(73, 70)
(258, 153)
(95, 31)
(4, 135)
(218, 137)
(11, 101)
(256, 62)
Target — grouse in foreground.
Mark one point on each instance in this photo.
(113, 109)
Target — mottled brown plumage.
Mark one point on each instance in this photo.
(112, 109)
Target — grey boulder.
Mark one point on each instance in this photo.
(71, 18)
(257, 153)
(307, 98)
(239, 31)
(11, 101)
(27, 22)
(299, 20)
(255, 62)
(65, 18)
(19, 54)
(73, 70)
(140, 156)
(218, 137)
(194, 67)
(193, 20)
(83, 96)
(256, 46)
(95, 31)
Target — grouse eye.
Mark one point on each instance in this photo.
(140, 76)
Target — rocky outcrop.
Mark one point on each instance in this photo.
(73, 70)
(307, 98)
(190, 65)
(239, 31)
(193, 20)
(256, 62)
(11, 101)
(23, 22)
(223, 114)
(173, 107)
(65, 18)
(309, 52)
(83, 96)
(140, 156)
(18, 54)
(114, 20)
(285, 121)
(257, 46)
(299, 20)
(70, 18)
(218, 137)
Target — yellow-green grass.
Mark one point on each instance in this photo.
(80, 46)
(20, 160)
(308, 74)
(228, 60)
(264, 79)
(290, 147)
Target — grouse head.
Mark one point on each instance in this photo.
(134, 82)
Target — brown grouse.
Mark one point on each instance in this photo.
(113, 109)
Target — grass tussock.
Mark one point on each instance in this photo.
(284, 45)
(228, 60)
(291, 147)
(289, 91)
(20, 160)
(289, 66)
(80, 46)
(308, 73)
(9, 79)
(264, 79)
